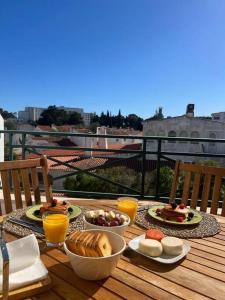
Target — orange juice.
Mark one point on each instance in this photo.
(55, 227)
(129, 206)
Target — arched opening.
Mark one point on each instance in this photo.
(183, 133)
(172, 133)
(195, 134)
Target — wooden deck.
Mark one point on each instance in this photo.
(200, 276)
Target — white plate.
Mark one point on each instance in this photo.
(163, 258)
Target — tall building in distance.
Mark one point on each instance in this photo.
(34, 113)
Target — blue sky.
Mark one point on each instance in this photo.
(133, 55)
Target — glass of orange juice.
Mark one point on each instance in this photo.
(55, 227)
(129, 206)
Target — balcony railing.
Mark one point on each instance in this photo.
(156, 149)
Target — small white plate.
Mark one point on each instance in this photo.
(163, 258)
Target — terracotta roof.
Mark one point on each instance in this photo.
(57, 152)
(83, 164)
(123, 131)
(45, 127)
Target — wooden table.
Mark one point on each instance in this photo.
(200, 276)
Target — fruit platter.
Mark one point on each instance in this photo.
(106, 218)
(173, 213)
(35, 212)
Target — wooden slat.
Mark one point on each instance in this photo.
(16, 186)
(175, 181)
(205, 192)
(35, 185)
(47, 184)
(26, 186)
(195, 192)
(216, 195)
(223, 207)
(186, 188)
(19, 164)
(6, 191)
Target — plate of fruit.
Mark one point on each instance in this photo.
(58, 206)
(107, 220)
(173, 213)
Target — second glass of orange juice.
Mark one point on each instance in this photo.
(55, 227)
(129, 206)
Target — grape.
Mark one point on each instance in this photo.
(114, 223)
(101, 221)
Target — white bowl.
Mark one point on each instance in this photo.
(117, 229)
(96, 268)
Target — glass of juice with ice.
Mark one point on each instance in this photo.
(55, 227)
(129, 206)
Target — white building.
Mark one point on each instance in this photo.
(187, 126)
(34, 113)
(30, 114)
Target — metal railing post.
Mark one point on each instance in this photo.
(157, 196)
(143, 169)
(23, 145)
(10, 146)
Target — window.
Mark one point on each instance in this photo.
(172, 133)
(212, 135)
(183, 133)
(195, 135)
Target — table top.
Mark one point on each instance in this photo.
(200, 276)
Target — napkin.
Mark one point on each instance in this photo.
(25, 265)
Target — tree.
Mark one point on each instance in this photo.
(158, 115)
(53, 115)
(93, 127)
(75, 118)
(10, 125)
(6, 115)
(122, 175)
(133, 121)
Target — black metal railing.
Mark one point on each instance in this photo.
(156, 148)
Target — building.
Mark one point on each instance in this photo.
(34, 113)
(187, 126)
(219, 116)
(30, 114)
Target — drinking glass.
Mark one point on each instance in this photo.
(55, 227)
(129, 206)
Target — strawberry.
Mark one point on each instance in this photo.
(182, 206)
(180, 219)
(158, 211)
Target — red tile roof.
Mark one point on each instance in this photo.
(83, 164)
(45, 127)
(57, 152)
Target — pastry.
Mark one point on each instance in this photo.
(90, 244)
(56, 206)
(172, 245)
(150, 247)
(174, 212)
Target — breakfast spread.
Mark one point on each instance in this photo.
(175, 212)
(151, 247)
(172, 245)
(106, 218)
(90, 244)
(155, 243)
(56, 206)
